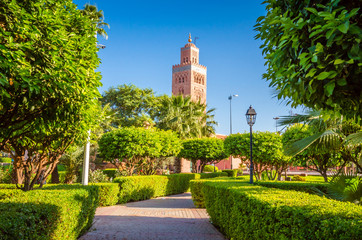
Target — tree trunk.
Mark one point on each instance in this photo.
(55, 175)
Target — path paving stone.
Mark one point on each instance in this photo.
(173, 218)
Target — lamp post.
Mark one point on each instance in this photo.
(250, 119)
(276, 123)
(231, 126)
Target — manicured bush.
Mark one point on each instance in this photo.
(136, 188)
(308, 187)
(5, 159)
(228, 171)
(245, 211)
(298, 178)
(110, 172)
(197, 193)
(108, 193)
(5, 175)
(55, 212)
(210, 168)
(97, 176)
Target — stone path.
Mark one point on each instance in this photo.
(173, 217)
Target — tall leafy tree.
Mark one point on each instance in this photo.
(48, 86)
(132, 106)
(313, 54)
(187, 118)
(97, 18)
(130, 147)
(267, 149)
(204, 150)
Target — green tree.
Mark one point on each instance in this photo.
(267, 149)
(97, 18)
(132, 106)
(187, 118)
(48, 86)
(327, 144)
(204, 149)
(130, 147)
(171, 146)
(313, 55)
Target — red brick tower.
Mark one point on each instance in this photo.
(189, 77)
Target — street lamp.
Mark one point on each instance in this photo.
(276, 123)
(231, 125)
(250, 119)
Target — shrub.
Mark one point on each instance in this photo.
(196, 190)
(61, 167)
(228, 171)
(5, 159)
(235, 173)
(277, 213)
(5, 175)
(48, 213)
(97, 176)
(108, 193)
(110, 172)
(298, 178)
(308, 187)
(210, 168)
(136, 188)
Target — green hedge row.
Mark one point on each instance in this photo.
(308, 187)
(138, 188)
(47, 213)
(245, 211)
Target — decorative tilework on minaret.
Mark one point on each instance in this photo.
(189, 77)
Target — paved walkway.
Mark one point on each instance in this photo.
(173, 217)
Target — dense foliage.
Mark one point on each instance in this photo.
(187, 118)
(322, 143)
(204, 149)
(277, 213)
(313, 54)
(48, 85)
(133, 106)
(267, 150)
(138, 147)
(47, 214)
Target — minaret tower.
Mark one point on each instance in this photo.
(189, 77)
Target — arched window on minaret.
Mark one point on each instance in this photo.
(179, 80)
(187, 59)
(184, 60)
(203, 81)
(183, 80)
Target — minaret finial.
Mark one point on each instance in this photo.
(190, 40)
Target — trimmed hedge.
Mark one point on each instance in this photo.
(110, 172)
(196, 189)
(136, 188)
(108, 193)
(210, 168)
(47, 213)
(232, 172)
(245, 211)
(308, 187)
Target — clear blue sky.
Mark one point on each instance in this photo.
(144, 42)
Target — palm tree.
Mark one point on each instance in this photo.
(334, 134)
(187, 118)
(97, 17)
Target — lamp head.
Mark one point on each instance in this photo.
(250, 116)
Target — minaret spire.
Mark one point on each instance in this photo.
(190, 39)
